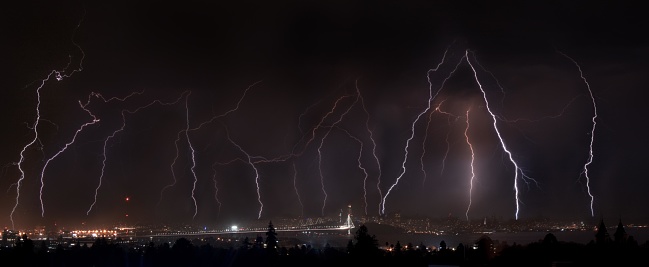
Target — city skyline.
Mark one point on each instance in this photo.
(210, 112)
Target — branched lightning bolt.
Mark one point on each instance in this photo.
(249, 161)
(74, 137)
(468, 142)
(376, 158)
(423, 147)
(93, 121)
(412, 128)
(592, 133)
(123, 113)
(299, 148)
(303, 140)
(517, 169)
(324, 202)
(448, 145)
(502, 89)
(243, 96)
(59, 75)
(185, 131)
(173, 163)
(22, 152)
(360, 165)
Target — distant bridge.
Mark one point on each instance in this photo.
(347, 226)
(255, 230)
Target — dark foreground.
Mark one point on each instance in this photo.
(363, 250)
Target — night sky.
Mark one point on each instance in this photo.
(286, 96)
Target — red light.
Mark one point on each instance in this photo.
(127, 199)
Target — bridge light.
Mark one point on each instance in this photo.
(234, 228)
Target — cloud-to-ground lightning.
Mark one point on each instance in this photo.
(324, 191)
(216, 188)
(59, 75)
(173, 163)
(297, 193)
(111, 136)
(448, 144)
(199, 127)
(300, 146)
(431, 96)
(249, 161)
(360, 165)
(376, 158)
(296, 150)
(517, 169)
(74, 137)
(584, 172)
(495, 118)
(468, 142)
(448, 148)
(449, 115)
(22, 152)
(193, 154)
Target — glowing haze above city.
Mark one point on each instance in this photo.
(202, 113)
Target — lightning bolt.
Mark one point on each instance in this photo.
(297, 193)
(173, 163)
(438, 109)
(59, 75)
(360, 165)
(93, 121)
(300, 146)
(104, 154)
(22, 152)
(468, 142)
(249, 161)
(200, 126)
(189, 143)
(517, 169)
(324, 202)
(296, 151)
(431, 96)
(423, 147)
(74, 137)
(448, 148)
(592, 133)
(448, 145)
(376, 158)
(216, 188)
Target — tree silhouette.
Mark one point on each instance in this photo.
(398, 248)
(366, 244)
(271, 238)
(259, 242)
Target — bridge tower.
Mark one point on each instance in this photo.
(349, 223)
